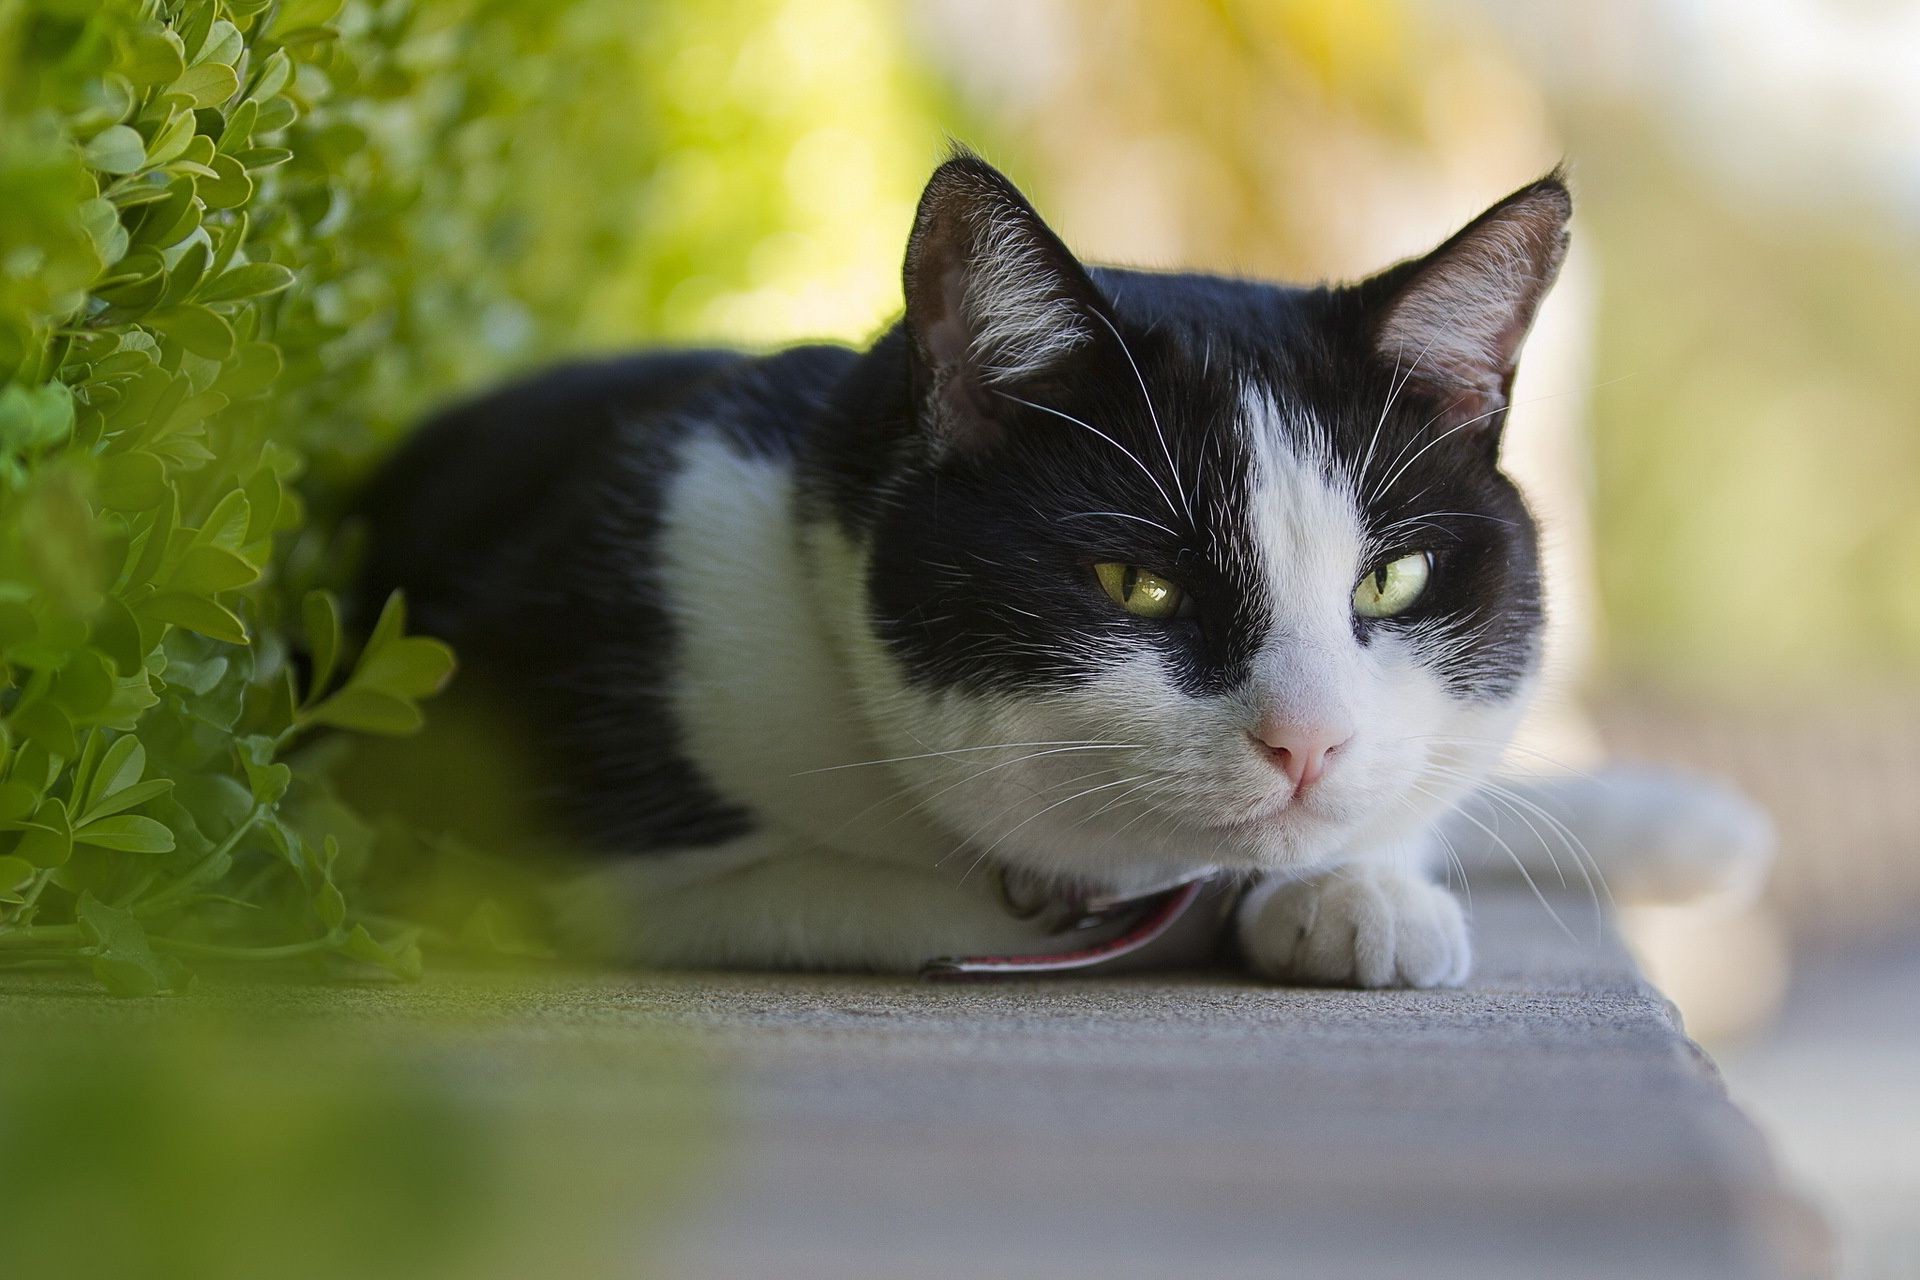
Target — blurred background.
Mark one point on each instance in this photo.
(1719, 417)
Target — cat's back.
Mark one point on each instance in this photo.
(534, 529)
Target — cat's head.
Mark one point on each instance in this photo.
(1177, 568)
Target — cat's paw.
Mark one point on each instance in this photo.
(1360, 927)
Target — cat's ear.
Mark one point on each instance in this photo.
(1453, 322)
(993, 297)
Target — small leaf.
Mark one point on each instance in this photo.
(299, 15)
(14, 874)
(229, 188)
(402, 959)
(267, 781)
(116, 633)
(408, 668)
(274, 74)
(117, 150)
(209, 570)
(367, 712)
(321, 616)
(195, 613)
(254, 280)
(17, 800)
(206, 85)
(47, 725)
(48, 839)
(137, 794)
(152, 56)
(123, 959)
(123, 765)
(127, 833)
(171, 139)
(195, 328)
(331, 906)
(131, 482)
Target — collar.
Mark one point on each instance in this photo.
(1149, 914)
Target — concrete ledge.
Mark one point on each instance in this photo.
(1551, 1120)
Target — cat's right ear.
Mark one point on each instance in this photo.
(994, 299)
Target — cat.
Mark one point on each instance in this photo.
(1088, 580)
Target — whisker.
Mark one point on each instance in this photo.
(1151, 479)
(1173, 468)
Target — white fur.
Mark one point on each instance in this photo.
(1020, 322)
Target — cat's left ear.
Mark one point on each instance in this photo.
(993, 297)
(1453, 322)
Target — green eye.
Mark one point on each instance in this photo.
(1146, 595)
(1393, 587)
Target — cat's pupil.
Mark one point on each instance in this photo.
(1380, 580)
(1128, 581)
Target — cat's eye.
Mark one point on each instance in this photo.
(1144, 594)
(1393, 587)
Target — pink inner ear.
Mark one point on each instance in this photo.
(1458, 324)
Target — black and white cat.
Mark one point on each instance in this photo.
(1103, 578)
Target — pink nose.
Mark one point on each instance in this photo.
(1301, 751)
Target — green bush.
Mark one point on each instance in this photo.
(240, 241)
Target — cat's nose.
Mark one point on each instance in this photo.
(1301, 750)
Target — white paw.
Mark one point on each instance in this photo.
(1357, 926)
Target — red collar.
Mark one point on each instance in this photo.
(1153, 913)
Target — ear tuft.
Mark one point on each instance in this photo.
(1455, 320)
(993, 296)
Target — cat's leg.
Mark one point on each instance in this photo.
(763, 902)
(1375, 922)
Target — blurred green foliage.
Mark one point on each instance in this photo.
(266, 1131)
(208, 209)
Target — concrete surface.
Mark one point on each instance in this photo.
(1548, 1121)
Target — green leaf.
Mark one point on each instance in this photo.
(300, 15)
(17, 800)
(254, 280)
(152, 56)
(35, 418)
(84, 684)
(131, 482)
(128, 798)
(196, 329)
(226, 525)
(116, 633)
(208, 570)
(268, 782)
(401, 959)
(48, 838)
(123, 764)
(207, 85)
(171, 139)
(195, 613)
(14, 874)
(123, 959)
(223, 45)
(229, 187)
(48, 726)
(408, 668)
(331, 906)
(127, 833)
(274, 74)
(116, 150)
(321, 616)
(366, 711)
